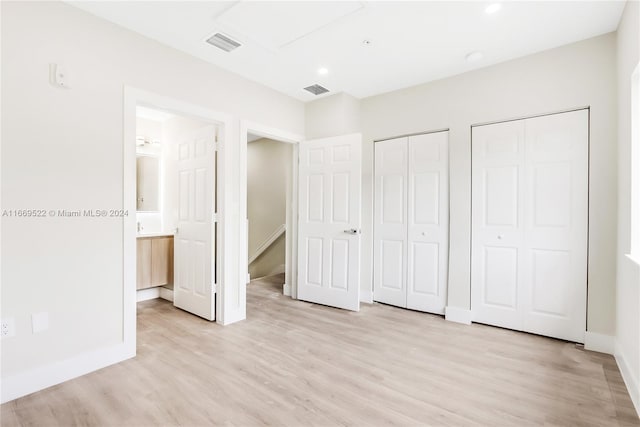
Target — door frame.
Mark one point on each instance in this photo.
(132, 98)
(290, 288)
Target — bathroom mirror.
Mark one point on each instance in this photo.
(147, 183)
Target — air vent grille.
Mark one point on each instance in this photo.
(316, 89)
(223, 42)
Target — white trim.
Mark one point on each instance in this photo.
(286, 290)
(292, 204)
(132, 98)
(458, 315)
(166, 294)
(366, 296)
(635, 259)
(268, 242)
(147, 294)
(23, 383)
(633, 384)
(599, 342)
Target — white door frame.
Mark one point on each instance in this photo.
(132, 98)
(291, 259)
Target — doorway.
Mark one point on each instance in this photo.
(269, 170)
(175, 214)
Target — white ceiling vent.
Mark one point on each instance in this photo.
(223, 42)
(316, 89)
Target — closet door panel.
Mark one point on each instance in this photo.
(428, 222)
(556, 229)
(390, 227)
(497, 214)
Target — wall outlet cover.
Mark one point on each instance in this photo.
(7, 327)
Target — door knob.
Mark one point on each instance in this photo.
(352, 231)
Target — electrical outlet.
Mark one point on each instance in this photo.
(7, 327)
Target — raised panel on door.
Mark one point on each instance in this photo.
(329, 202)
(390, 222)
(428, 221)
(498, 160)
(556, 246)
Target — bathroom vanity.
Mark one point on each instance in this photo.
(154, 260)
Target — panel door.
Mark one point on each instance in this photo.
(194, 253)
(329, 221)
(529, 219)
(390, 226)
(556, 187)
(498, 155)
(428, 222)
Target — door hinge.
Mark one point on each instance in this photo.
(214, 218)
(214, 288)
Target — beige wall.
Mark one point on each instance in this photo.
(576, 75)
(628, 277)
(269, 165)
(62, 149)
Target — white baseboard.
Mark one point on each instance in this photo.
(166, 294)
(599, 342)
(633, 384)
(286, 290)
(458, 315)
(23, 383)
(366, 296)
(147, 294)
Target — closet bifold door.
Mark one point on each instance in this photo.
(428, 222)
(529, 224)
(411, 222)
(390, 226)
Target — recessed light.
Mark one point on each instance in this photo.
(474, 56)
(492, 8)
(322, 71)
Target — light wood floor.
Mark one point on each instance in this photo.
(298, 364)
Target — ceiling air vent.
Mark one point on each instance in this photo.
(316, 89)
(223, 42)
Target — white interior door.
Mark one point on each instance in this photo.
(411, 226)
(390, 226)
(194, 253)
(329, 221)
(529, 244)
(428, 222)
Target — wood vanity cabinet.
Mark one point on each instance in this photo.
(155, 261)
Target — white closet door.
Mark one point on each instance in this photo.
(555, 296)
(529, 219)
(411, 228)
(428, 222)
(390, 228)
(497, 216)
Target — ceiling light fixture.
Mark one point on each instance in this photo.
(322, 71)
(366, 42)
(474, 56)
(492, 8)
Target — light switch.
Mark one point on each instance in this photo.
(40, 322)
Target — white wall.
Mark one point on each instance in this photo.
(333, 115)
(268, 175)
(576, 75)
(628, 277)
(62, 149)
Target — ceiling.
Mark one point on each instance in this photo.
(368, 48)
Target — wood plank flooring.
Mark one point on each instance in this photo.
(292, 363)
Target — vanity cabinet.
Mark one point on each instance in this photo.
(154, 261)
